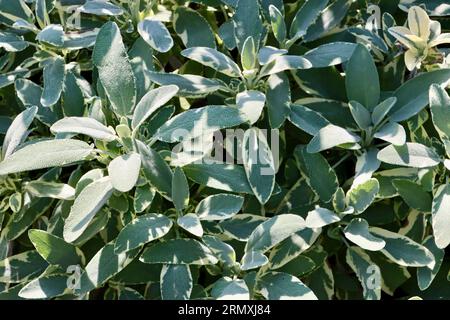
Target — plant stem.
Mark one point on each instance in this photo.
(341, 160)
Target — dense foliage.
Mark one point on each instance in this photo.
(121, 176)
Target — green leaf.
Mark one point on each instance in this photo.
(357, 231)
(241, 226)
(253, 260)
(143, 197)
(95, 226)
(278, 99)
(259, 164)
(45, 287)
(305, 17)
(360, 114)
(176, 282)
(307, 120)
(129, 294)
(362, 196)
(103, 266)
(283, 286)
(101, 8)
(9, 78)
(434, 7)
(42, 12)
(72, 96)
(180, 189)
(321, 217)
(26, 217)
(292, 247)
(329, 19)
(392, 132)
(44, 189)
(382, 110)
(419, 22)
(283, 63)
(413, 95)
(411, 41)
(16, 10)
(247, 22)
(277, 23)
(124, 171)
(413, 155)
(440, 110)
(114, 69)
(18, 131)
(230, 289)
(370, 38)
(151, 102)
(329, 137)
(318, 173)
(441, 216)
(15, 203)
(54, 74)
(200, 121)
(84, 125)
(271, 232)
(142, 62)
(299, 266)
(138, 273)
(191, 223)
(404, 251)
(248, 55)
(223, 251)
(193, 29)
(386, 177)
(189, 85)
(213, 59)
(12, 42)
(179, 251)
(267, 54)
(30, 95)
(81, 40)
(161, 116)
(250, 103)
(330, 54)
(42, 154)
(54, 249)
(361, 264)
(339, 203)
(144, 229)
(362, 87)
(334, 88)
(219, 207)
(156, 170)
(413, 194)
(21, 267)
(221, 176)
(90, 200)
(52, 35)
(425, 275)
(226, 34)
(366, 164)
(87, 178)
(155, 33)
